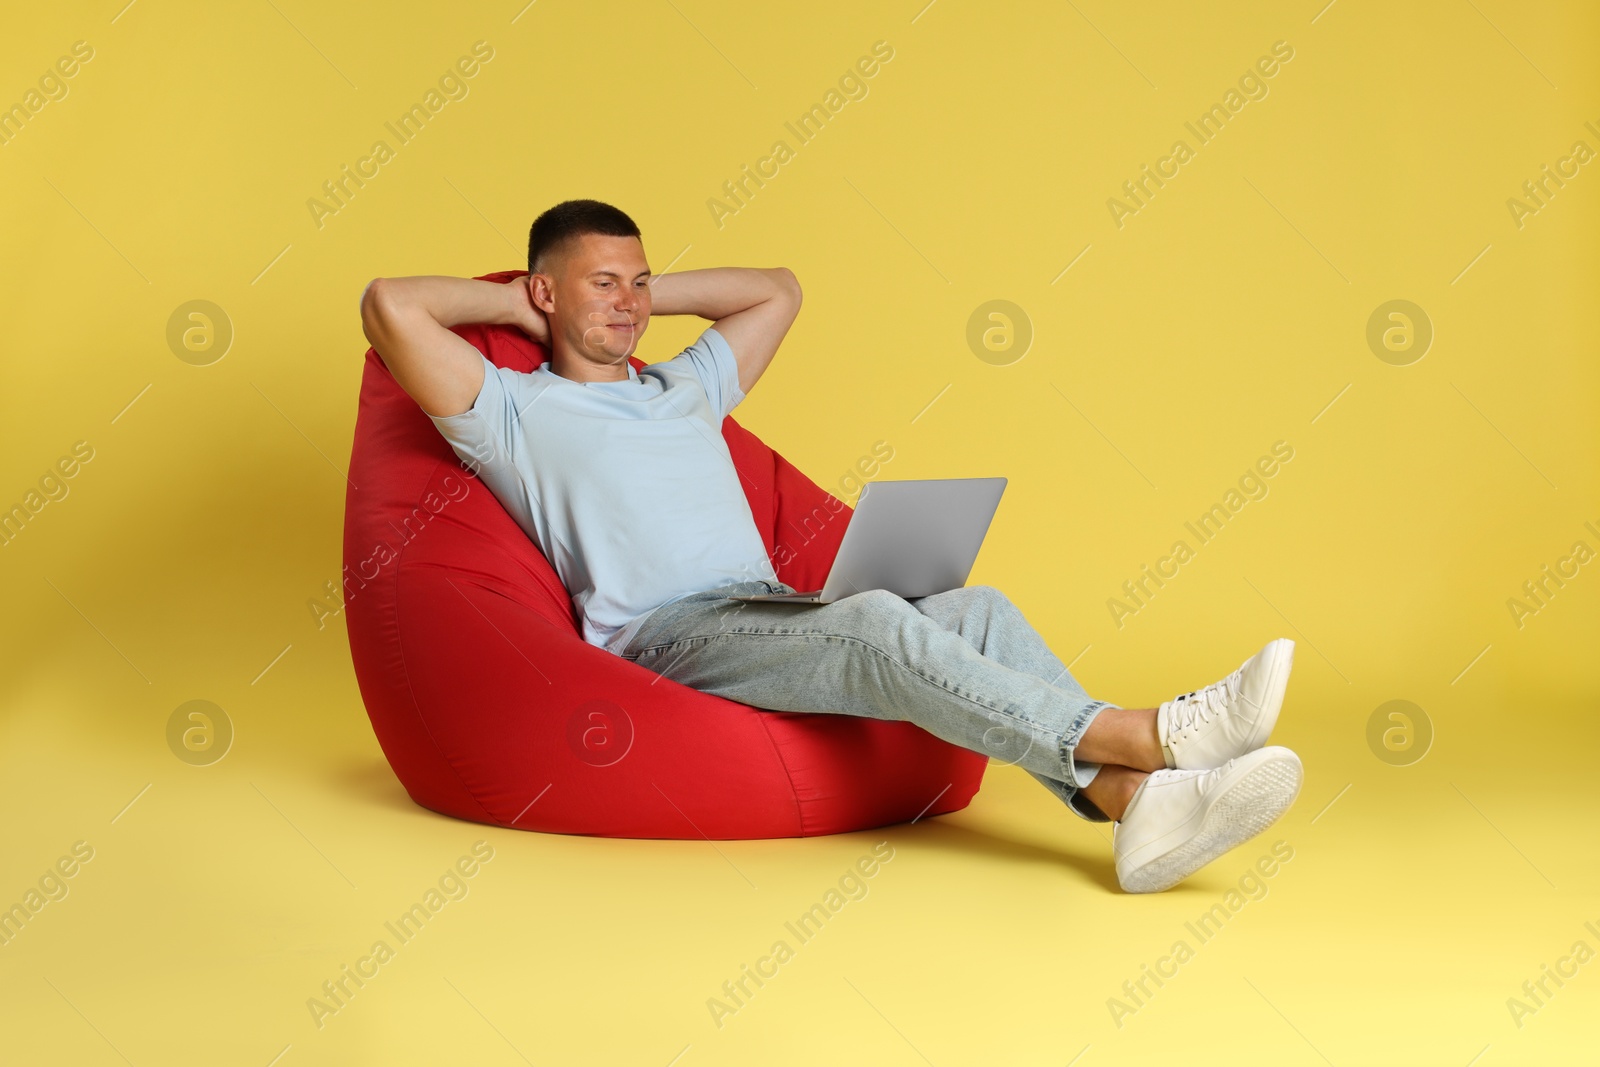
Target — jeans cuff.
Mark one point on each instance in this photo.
(1074, 734)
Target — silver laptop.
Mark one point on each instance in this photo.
(914, 538)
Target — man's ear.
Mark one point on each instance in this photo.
(542, 292)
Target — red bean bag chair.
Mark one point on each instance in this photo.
(491, 707)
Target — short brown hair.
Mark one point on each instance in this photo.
(574, 218)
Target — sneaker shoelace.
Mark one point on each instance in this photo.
(1197, 707)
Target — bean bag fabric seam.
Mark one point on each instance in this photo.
(777, 752)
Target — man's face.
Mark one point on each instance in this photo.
(597, 296)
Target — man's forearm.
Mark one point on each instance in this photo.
(716, 292)
(455, 301)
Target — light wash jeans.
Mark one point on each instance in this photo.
(963, 665)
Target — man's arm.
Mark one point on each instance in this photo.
(408, 321)
(753, 308)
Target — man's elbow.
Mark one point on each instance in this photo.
(788, 284)
(374, 303)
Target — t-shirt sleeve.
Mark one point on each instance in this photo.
(711, 360)
(482, 435)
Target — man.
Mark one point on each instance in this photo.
(623, 480)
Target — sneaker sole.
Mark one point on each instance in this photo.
(1235, 814)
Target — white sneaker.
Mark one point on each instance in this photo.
(1210, 726)
(1178, 821)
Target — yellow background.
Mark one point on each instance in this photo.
(1228, 314)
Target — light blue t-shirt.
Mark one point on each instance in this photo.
(627, 487)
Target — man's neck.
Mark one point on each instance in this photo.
(569, 364)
